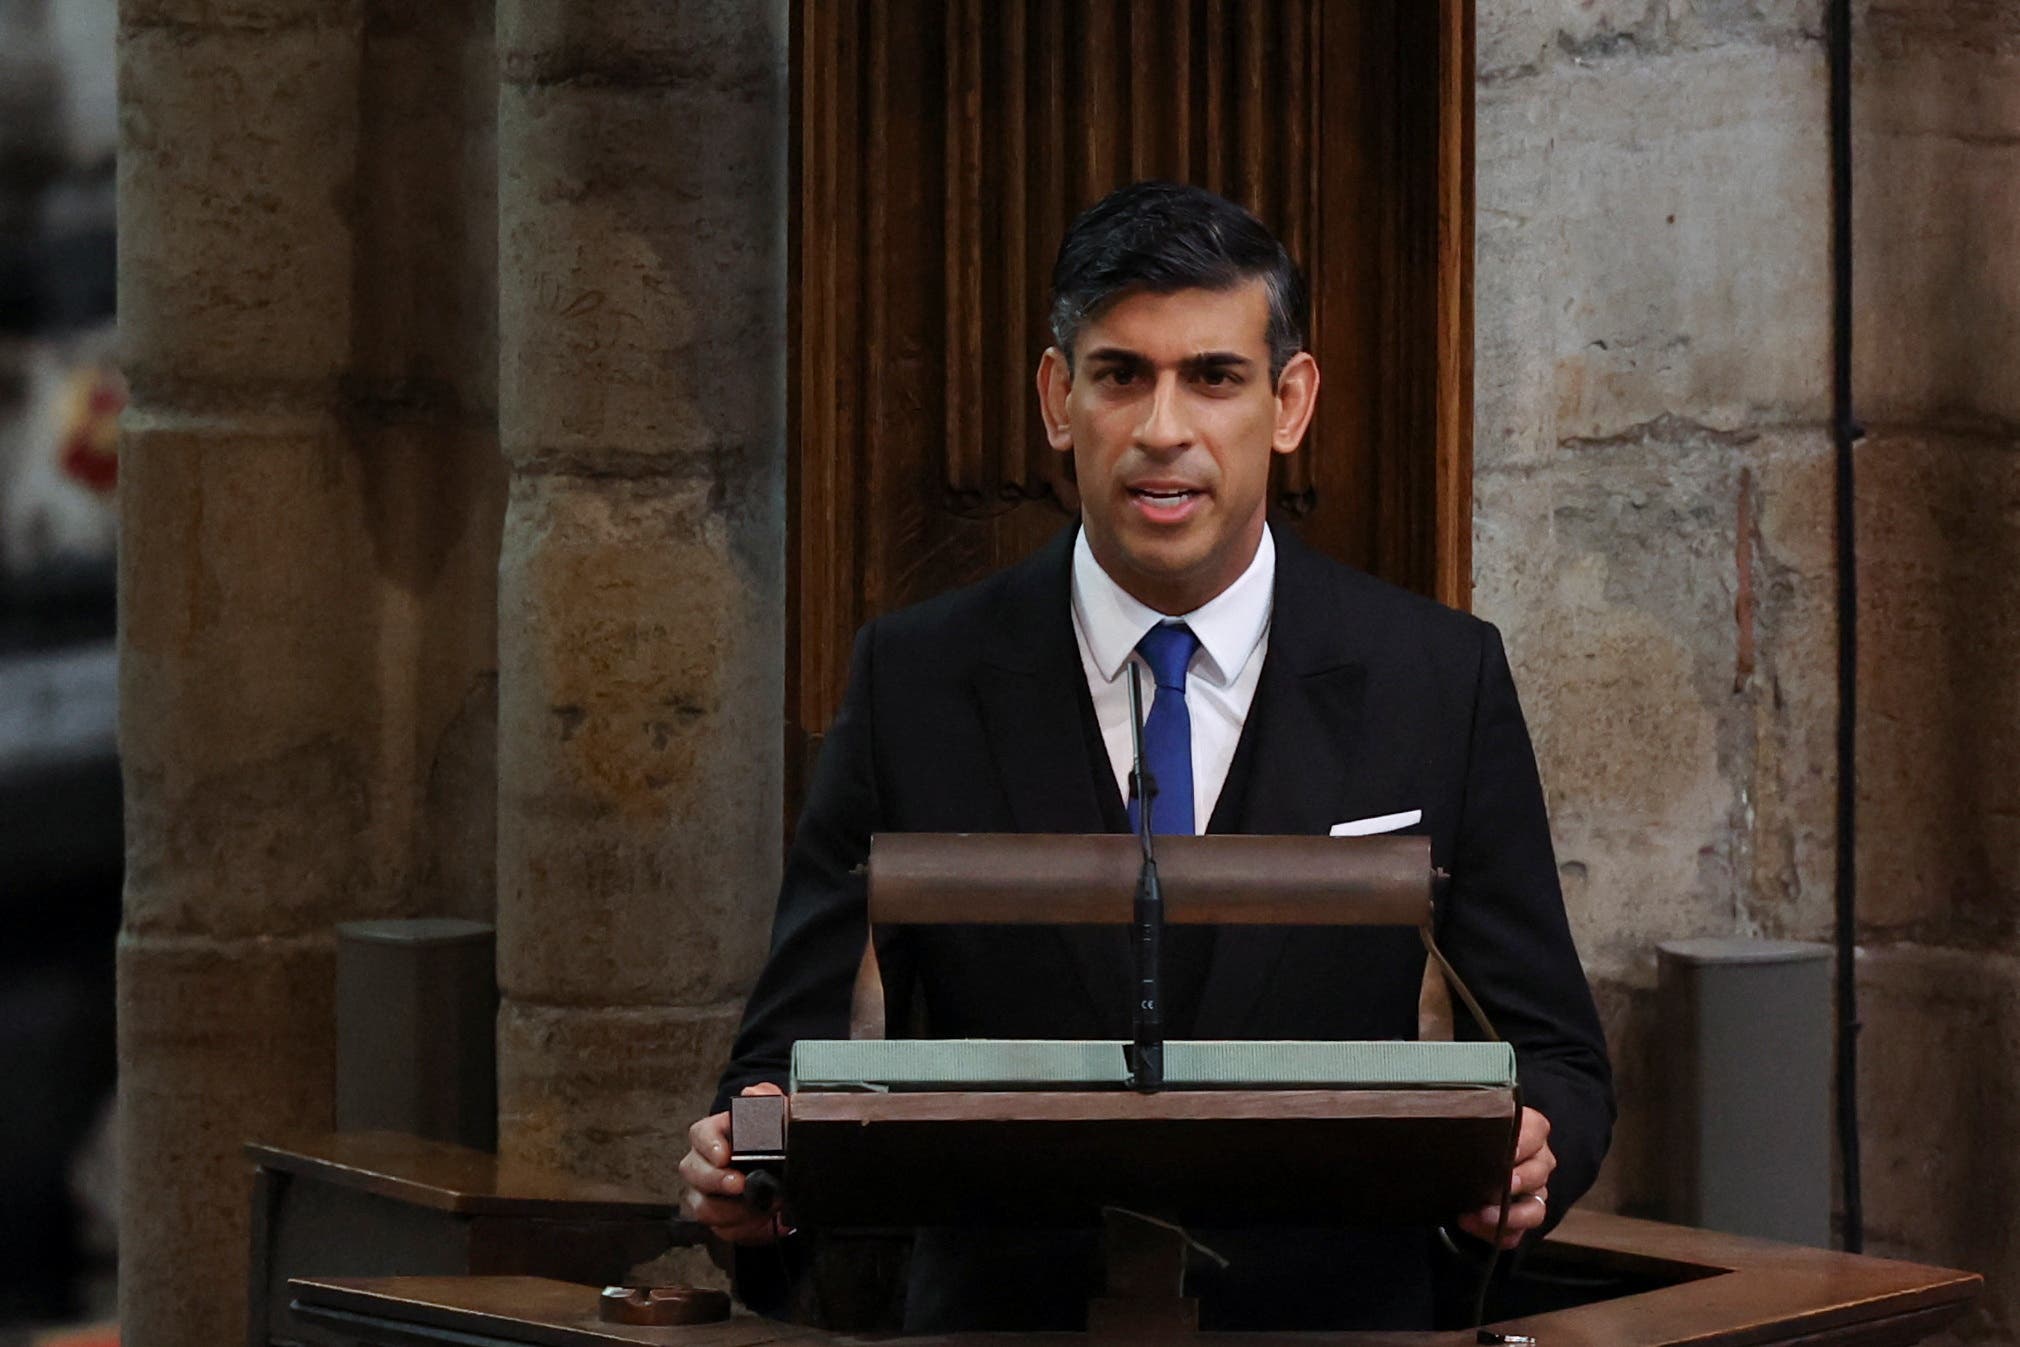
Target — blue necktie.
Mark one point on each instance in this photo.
(1167, 731)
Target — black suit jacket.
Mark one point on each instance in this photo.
(970, 713)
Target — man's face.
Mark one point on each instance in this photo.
(1172, 421)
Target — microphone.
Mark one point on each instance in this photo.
(1146, 1051)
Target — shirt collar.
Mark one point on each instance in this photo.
(1229, 625)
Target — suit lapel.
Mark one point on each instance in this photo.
(1032, 694)
(1295, 765)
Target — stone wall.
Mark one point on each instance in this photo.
(311, 500)
(1653, 527)
(451, 566)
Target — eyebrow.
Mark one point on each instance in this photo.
(1204, 360)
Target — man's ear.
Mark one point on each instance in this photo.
(1055, 381)
(1297, 395)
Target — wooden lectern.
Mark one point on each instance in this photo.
(935, 1132)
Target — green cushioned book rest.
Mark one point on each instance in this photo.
(995, 1064)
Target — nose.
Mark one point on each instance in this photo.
(1164, 425)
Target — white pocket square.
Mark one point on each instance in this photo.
(1381, 823)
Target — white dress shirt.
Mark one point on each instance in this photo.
(1233, 631)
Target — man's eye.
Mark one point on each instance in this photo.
(1216, 378)
(1116, 375)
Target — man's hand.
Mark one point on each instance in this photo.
(714, 1194)
(1531, 1200)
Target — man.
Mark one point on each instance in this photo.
(1299, 695)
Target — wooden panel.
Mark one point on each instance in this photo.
(941, 149)
(941, 1157)
(451, 1178)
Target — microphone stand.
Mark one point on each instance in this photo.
(1146, 1053)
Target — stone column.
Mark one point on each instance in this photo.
(642, 208)
(310, 504)
(1936, 106)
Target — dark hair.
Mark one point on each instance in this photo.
(1165, 236)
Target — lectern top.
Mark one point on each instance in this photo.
(1091, 879)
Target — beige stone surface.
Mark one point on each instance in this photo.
(1939, 637)
(235, 252)
(220, 1042)
(1790, 797)
(246, 679)
(1685, 791)
(638, 763)
(1627, 736)
(1613, 198)
(641, 305)
(1939, 1094)
(608, 1089)
(306, 641)
(1518, 38)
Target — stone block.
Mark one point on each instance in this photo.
(235, 246)
(727, 47)
(306, 623)
(1790, 804)
(247, 676)
(219, 1043)
(608, 1093)
(1617, 583)
(1698, 23)
(1939, 638)
(1519, 38)
(1516, 309)
(641, 305)
(1937, 252)
(1939, 1104)
(1636, 186)
(641, 682)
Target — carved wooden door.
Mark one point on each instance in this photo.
(940, 149)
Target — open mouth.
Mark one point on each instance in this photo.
(1166, 503)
